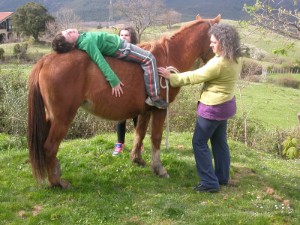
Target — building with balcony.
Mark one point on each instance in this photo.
(6, 27)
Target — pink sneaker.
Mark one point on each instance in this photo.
(118, 149)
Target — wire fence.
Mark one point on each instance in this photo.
(283, 70)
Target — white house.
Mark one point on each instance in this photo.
(6, 33)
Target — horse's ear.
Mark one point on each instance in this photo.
(198, 17)
(215, 20)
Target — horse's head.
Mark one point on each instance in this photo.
(189, 43)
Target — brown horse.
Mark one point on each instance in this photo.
(61, 83)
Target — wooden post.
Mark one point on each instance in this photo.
(299, 118)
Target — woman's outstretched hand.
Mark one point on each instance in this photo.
(164, 72)
(117, 91)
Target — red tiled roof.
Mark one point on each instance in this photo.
(5, 15)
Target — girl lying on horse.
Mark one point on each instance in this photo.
(97, 44)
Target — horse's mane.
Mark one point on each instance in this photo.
(151, 45)
(188, 25)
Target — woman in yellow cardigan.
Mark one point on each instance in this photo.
(216, 105)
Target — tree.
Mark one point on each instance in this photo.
(142, 13)
(170, 17)
(64, 19)
(31, 19)
(276, 15)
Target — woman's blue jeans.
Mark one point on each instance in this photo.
(216, 132)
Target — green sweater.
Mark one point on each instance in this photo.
(98, 44)
(218, 76)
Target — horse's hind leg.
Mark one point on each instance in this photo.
(158, 118)
(139, 135)
(56, 134)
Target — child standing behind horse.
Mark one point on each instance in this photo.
(97, 44)
(128, 34)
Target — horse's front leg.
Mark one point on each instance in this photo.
(139, 135)
(158, 118)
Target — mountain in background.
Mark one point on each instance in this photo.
(97, 10)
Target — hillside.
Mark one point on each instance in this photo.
(97, 10)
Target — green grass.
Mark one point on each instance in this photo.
(33, 48)
(272, 106)
(112, 190)
(295, 76)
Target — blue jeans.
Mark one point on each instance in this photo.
(216, 132)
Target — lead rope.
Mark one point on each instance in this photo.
(172, 70)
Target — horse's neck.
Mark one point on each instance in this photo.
(183, 60)
(186, 46)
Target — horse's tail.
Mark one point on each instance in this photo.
(37, 126)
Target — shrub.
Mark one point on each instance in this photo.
(253, 78)
(247, 131)
(251, 51)
(20, 51)
(287, 143)
(290, 148)
(13, 103)
(2, 54)
(288, 82)
(250, 68)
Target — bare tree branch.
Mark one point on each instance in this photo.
(142, 13)
(64, 19)
(277, 16)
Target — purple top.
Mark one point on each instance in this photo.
(217, 112)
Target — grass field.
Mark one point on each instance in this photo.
(272, 106)
(112, 190)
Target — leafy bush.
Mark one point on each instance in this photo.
(253, 52)
(247, 131)
(20, 50)
(253, 78)
(250, 68)
(2, 54)
(13, 102)
(288, 143)
(8, 142)
(286, 81)
(290, 148)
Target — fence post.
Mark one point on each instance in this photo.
(299, 118)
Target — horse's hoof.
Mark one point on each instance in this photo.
(63, 185)
(140, 162)
(166, 175)
(161, 173)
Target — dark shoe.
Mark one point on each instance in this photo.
(230, 183)
(158, 102)
(201, 188)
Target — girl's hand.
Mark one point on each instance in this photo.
(117, 91)
(164, 72)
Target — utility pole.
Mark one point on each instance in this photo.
(111, 13)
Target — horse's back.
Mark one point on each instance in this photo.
(73, 79)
